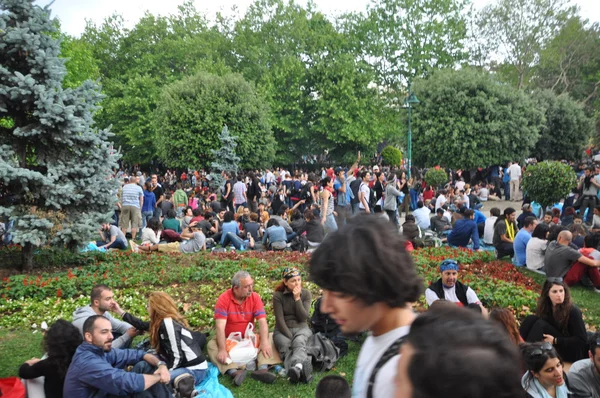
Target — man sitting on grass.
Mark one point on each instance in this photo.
(111, 238)
(194, 242)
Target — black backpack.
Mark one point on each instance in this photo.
(322, 323)
(323, 351)
(305, 194)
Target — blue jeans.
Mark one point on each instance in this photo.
(291, 236)
(117, 244)
(157, 212)
(507, 190)
(242, 205)
(199, 374)
(236, 241)
(330, 224)
(146, 216)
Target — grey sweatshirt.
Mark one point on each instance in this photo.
(83, 313)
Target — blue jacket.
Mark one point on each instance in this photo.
(463, 231)
(149, 201)
(95, 373)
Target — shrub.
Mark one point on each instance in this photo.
(548, 182)
(391, 156)
(436, 177)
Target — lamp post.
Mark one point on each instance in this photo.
(408, 102)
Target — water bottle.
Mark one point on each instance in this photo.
(280, 370)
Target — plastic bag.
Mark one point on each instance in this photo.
(12, 387)
(242, 350)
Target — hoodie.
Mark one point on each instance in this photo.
(120, 327)
(95, 373)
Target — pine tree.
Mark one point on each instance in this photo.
(55, 167)
(225, 158)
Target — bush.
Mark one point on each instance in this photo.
(548, 182)
(391, 156)
(436, 177)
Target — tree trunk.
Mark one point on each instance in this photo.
(27, 257)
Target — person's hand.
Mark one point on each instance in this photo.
(192, 224)
(163, 372)
(222, 356)
(116, 309)
(265, 347)
(548, 338)
(297, 293)
(303, 201)
(132, 332)
(323, 220)
(32, 361)
(335, 214)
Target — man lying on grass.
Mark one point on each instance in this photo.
(195, 240)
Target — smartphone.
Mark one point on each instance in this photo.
(248, 235)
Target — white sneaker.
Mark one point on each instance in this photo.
(134, 246)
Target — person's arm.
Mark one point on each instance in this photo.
(141, 198)
(361, 197)
(129, 318)
(222, 355)
(298, 204)
(430, 296)
(324, 206)
(577, 333)
(228, 185)
(588, 261)
(263, 332)
(110, 242)
(303, 306)
(475, 238)
(280, 316)
(33, 368)
(265, 236)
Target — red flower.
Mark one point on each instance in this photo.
(59, 292)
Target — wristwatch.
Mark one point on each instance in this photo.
(161, 363)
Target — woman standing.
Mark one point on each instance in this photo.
(557, 321)
(327, 218)
(544, 377)
(390, 203)
(379, 189)
(291, 304)
(171, 338)
(405, 185)
(60, 342)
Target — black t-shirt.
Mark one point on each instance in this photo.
(158, 192)
(252, 228)
(378, 188)
(206, 226)
(53, 383)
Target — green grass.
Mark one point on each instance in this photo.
(17, 347)
(584, 297)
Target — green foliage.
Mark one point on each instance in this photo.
(567, 130)
(192, 111)
(52, 160)
(81, 63)
(436, 177)
(548, 182)
(467, 119)
(392, 156)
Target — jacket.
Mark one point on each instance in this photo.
(463, 231)
(95, 373)
(83, 313)
(390, 202)
(460, 289)
(178, 346)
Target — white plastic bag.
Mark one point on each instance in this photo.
(242, 350)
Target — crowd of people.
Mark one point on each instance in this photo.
(350, 219)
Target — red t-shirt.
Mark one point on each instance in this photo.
(238, 315)
(428, 195)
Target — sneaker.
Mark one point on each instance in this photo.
(294, 374)
(597, 289)
(239, 377)
(307, 370)
(134, 246)
(184, 386)
(264, 376)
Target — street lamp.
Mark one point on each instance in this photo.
(408, 103)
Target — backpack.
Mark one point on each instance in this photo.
(322, 323)
(323, 352)
(295, 190)
(305, 193)
(354, 187)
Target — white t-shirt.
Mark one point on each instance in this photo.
(450, 295)
(483, 194)
(364, 188)
(440, 201)
(514, 171)
(488, 230)
(460, 185)
(370, 353)
(535, 253)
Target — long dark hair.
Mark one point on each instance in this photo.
(535, 356)
(507, 212)
(60, 342)
(558, 313)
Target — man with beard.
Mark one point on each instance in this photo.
(584, 375)
(449, 288)
(368, 281)
(97, 370)
(101, 302)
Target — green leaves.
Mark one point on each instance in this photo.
(548, 182)
(436, 177)
(392, 156)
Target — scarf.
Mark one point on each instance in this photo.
(510, 230)
(536, 390)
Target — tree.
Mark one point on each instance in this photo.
(225, 157)
(520, 28)
(436, 177)
(467, 119)
(193, 110)
(392, 156)
(548, 182)
(81, 63)
(54, 164)
(567, 129)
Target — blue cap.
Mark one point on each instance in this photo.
(449, 265)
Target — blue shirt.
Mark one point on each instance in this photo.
(274, 233)
(463, 231)
(149, 201)
(479, 217)
(231, 226)
(520, 244)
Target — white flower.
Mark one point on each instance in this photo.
(34, 326)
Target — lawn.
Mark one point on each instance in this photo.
(54, 290)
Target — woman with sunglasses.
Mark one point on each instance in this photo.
(544, 377)
(557, 321)
(291, 304)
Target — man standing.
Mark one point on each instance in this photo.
(101, 302)
(521, 240)
(159, 194)
(360, 296)
(422, 214)
(98, 370)
(235, 309)
(514, 171)
(584, 375)
(364, 193)
(112, 238)
(449, 288)
(239, 191)
(132, 200)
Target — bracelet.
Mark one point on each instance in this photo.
(161, 363)
(555, 341)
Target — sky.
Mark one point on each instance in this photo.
(73, 13)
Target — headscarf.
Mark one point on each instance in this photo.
(449, 265)
(290, 272)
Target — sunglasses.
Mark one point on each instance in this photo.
(543, 348)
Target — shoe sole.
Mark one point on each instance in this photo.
(264, 377)
(239, 379)
(294, 374)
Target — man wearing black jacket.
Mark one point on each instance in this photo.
(449, 288)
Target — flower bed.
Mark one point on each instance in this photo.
(195, 281)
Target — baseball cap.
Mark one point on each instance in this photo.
(338, 169)
(139, 173)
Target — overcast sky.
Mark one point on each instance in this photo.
(73, 13)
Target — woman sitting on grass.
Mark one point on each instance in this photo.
(60, 343)
(291, 304)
